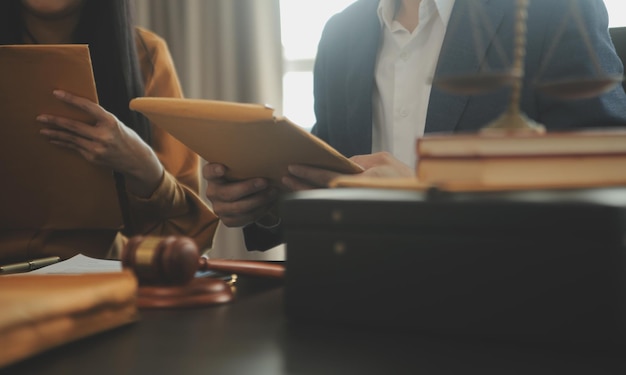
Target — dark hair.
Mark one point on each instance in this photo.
(107, 27)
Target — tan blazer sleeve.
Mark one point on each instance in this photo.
(175, 208)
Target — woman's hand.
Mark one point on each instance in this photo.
(106, 141)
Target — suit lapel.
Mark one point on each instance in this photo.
(361, 58)
(460, 54)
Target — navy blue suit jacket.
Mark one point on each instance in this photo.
(345, 69)
(346, 60)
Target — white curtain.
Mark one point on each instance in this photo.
(223, 50)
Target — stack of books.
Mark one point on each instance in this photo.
(488, 161)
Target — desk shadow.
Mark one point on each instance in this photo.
(322, 349)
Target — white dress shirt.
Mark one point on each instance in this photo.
(405, 67)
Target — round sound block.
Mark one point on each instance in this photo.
(198, 292)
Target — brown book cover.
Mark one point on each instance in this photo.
(524, 172)
(582, 142)
(247, 138)
(45, 186)
(40, 312)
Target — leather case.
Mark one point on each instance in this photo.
(40, 312)
(528, 265)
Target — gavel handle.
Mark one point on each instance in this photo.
(243, 267)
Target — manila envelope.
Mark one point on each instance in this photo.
(45, 186)
(246, 138)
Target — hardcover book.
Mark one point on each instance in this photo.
(524, 172)
(40, 312)
(581, 142)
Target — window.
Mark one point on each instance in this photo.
(617, 12)
(302, 22)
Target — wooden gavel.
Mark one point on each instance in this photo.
(175, 260)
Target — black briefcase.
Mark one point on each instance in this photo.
(530, 266)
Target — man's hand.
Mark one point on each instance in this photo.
(302, 177)
(238, 203)
(380, 164)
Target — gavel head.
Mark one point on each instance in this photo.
(161, 260)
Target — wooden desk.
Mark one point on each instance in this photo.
(252, 336)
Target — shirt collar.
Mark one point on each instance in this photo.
(387, 9)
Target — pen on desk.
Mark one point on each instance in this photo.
(28, 266)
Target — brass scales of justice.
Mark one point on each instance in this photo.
(513, 120)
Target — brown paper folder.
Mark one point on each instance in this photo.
(247, 138)
(43, 185)
(40, 312)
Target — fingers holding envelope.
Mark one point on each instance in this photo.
(104, 141)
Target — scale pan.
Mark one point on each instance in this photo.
(574, 89)
(475, 83)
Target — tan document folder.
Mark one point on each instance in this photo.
(247, 138)
(43, 185)
(40, 312)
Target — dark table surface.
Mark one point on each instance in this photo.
(251, 335)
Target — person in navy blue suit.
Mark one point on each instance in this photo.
(373, 92)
